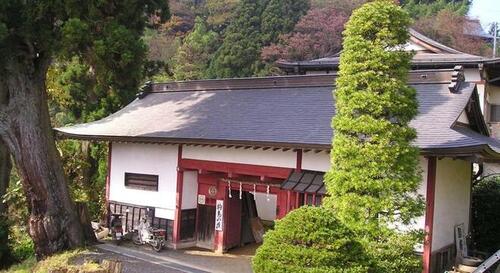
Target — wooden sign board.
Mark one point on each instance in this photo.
(201, 199)
(219, 215)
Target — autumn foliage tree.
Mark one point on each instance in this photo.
(450, 28)
(32, 34)
(317, 34)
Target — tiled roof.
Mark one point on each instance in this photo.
(293, 115)
(437, 55)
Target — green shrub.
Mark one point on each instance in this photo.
(394, 253)
(21, 245)
(485, 215)
(312, 240)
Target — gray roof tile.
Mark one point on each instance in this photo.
(294, 115)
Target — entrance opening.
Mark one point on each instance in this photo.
(244, 223)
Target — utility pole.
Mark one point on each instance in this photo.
(495, 40)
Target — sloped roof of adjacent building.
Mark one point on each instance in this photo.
(429, 54)
(292, 111)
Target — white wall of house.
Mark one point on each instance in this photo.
(243, 156)
(310, 160)
(190, 190)
(493, 94)
(422, 190)
(463, 118)
(452, 197)
(154, 159)
(452, 200)
(316, 161)
(472, 75)
(491, 169)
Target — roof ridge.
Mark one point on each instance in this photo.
(291, 81)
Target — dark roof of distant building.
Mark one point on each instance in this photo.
(473, 27)
(433, 55)
(289, 112)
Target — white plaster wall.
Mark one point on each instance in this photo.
(463, 118)
(190, 190)
(472, 75)
(491, 168)
(422, 190)
(154, 159)
(482, 95)
(411, 46)
(316, 161)
(266, 209)
(452, 200)
(493, 94)
(244, 156)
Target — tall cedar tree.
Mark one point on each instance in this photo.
(87, 83)
(374, 174)
(279, 17)
(257, 23)
(238, 54)
(5, 168)
(31, 35)
(193, 58)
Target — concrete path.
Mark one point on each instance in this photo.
(186, 261)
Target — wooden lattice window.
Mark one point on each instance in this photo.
(148, 182)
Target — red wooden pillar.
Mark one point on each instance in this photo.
(429, 212)
(108, 184)
(176, 234)
(222, 194)
(282, 203)
(108, 177)
(298, 167)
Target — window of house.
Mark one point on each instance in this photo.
(139, 181)
(495, 113)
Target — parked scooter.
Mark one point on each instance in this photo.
(116, 228)
(145, 234)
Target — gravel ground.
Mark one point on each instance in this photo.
(138, 264)
(191, 260)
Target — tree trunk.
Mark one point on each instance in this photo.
(5, 168)
(25, 128)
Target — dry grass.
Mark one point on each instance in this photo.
(62, 260)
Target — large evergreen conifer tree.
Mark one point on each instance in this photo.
(374, 174)
(32, 35)
(257, 23)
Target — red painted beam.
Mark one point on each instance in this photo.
(176, 234)
(235, 168)
(429, 213)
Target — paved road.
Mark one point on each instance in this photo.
(135, 261)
